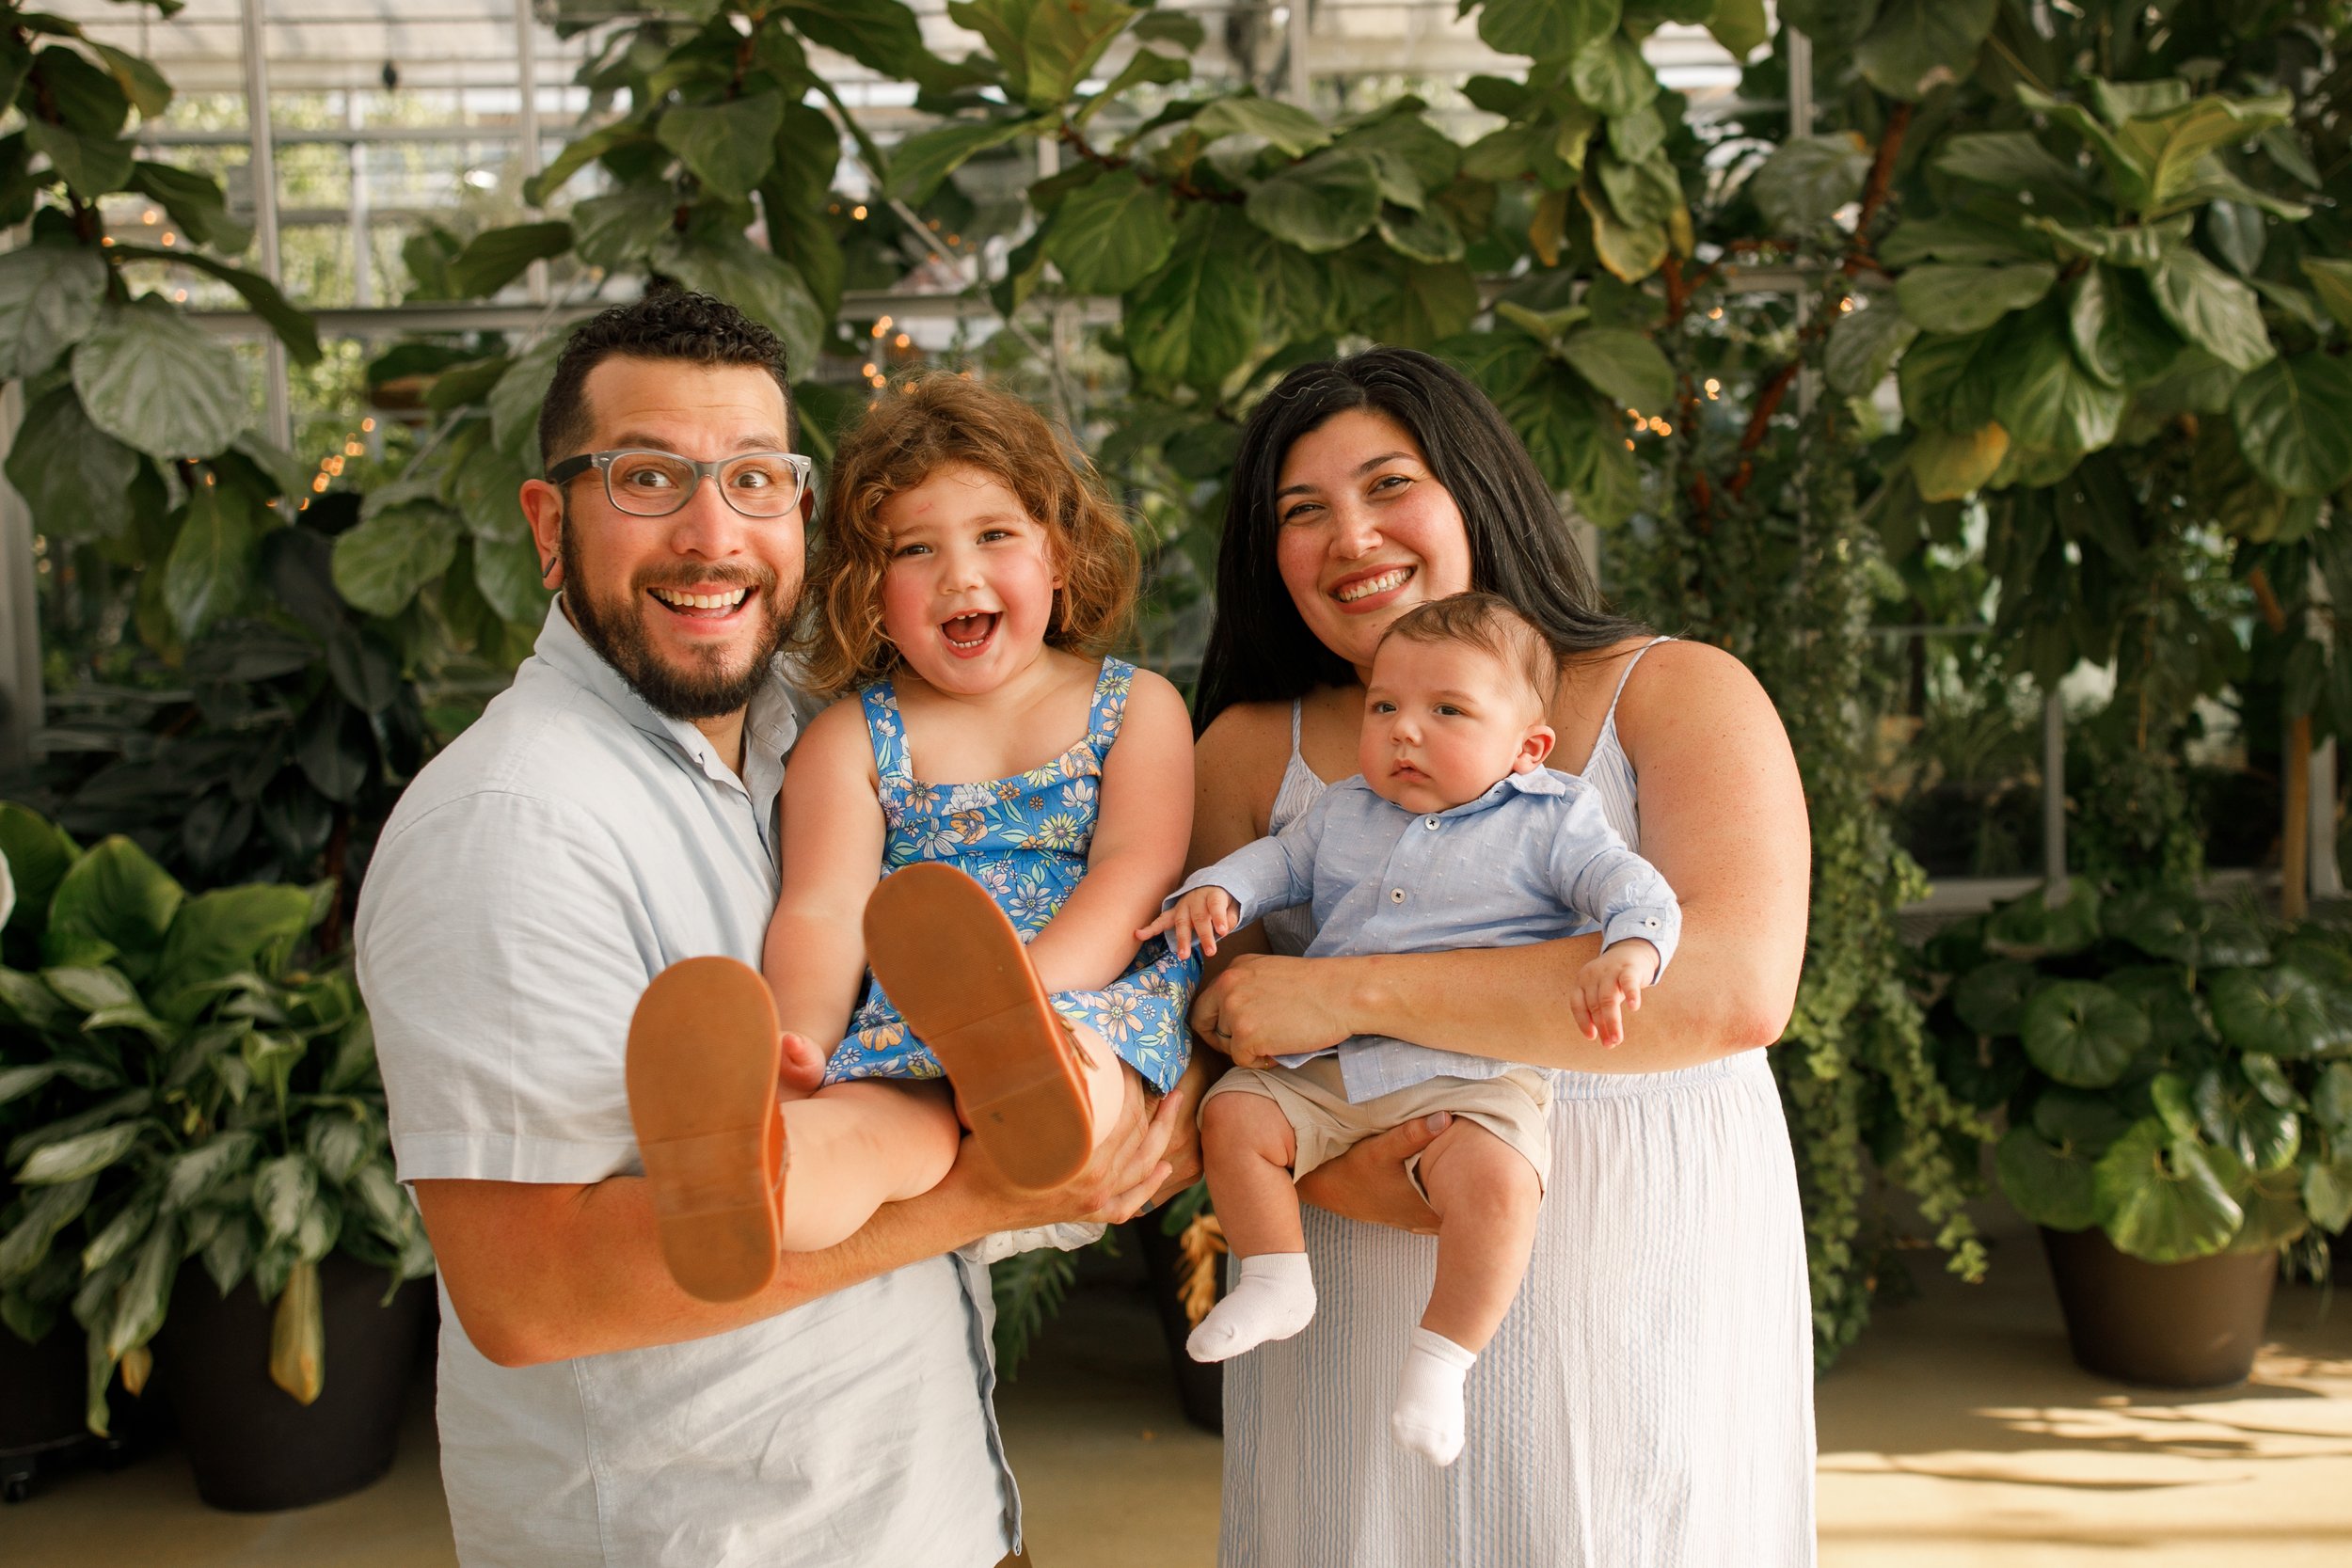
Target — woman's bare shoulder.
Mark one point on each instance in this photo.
(1247, 733)
(1690, 689)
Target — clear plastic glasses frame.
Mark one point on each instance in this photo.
(645, 481)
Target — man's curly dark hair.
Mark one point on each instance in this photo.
(666, 324)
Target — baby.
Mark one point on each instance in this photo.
(1455, 836)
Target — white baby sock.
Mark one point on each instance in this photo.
(1428, 1414)
(1274, 1298)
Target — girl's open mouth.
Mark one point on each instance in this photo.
(715, 604)
(968, 635)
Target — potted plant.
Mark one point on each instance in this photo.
(2179, 1108)
(210, 1161)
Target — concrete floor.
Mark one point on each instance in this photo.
(1958, 1432)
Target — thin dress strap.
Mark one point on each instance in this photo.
(1108, 704)
(887, 732)
(1299, 709)
(1611, 721)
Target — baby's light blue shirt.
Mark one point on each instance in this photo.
(1531, 860)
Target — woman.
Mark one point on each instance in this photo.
(1650, 1398)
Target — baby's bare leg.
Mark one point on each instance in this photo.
(857, 1145)
(1485, 1196)
(1248, 1147)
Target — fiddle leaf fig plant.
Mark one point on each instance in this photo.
(174, 1086)
(2182, 1080)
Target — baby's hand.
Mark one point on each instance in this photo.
(1202, 915)
(1618, 977)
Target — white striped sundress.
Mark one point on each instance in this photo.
(1648, 1402)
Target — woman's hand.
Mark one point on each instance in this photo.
(1369, 1183)
(1263, 1006)
(1129, 1167)
(1184, 1140)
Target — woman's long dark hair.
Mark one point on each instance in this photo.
(1260, 651)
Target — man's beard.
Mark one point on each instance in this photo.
(707, 689)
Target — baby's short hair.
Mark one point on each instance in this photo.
(1491, 624)
(920, 426)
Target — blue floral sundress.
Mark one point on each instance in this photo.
(1025, 839)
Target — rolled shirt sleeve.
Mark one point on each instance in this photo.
(1599, 878)
(503, 945)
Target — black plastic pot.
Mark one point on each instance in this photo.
(2195, 1324)
(253, 1449)
(1200, 1388)
(41, 1403)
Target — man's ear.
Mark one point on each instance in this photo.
(1534, 748)
(808, 503)
(543, 506)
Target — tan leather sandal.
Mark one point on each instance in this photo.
(703, 1049)
(946, 955)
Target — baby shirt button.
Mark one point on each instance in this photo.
(1396, 896)
(1431, 824)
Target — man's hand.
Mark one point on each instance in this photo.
(1128, 1168)
(1264, 1006)
(1611, 982)
(1197, 919)
(1184, 1141)
(1369, 1183)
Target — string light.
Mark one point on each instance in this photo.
(1845, 305)
(902, 340)
(1714, 387)
(170, 238)
(858, 212)
(148, 217)
(366, 424)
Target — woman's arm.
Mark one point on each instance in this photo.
(1723, 816)
(815, 957)
(1141, 823)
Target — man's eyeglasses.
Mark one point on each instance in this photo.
(646, 482)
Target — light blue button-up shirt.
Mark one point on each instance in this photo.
(533, 878)
(1531, 860)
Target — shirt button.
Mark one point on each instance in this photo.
(1396, 896)
(1651, 924)
(1431, 824)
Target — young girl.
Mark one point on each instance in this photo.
(1040, 800)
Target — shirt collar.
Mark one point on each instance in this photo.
(770, 724)
(1535, 781)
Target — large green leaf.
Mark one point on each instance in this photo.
(618, 231)
(2118, 333)
(139, 1302)
(283, 1189)
(50, 296)
(2234, 1113)
(2049, 1186)
(221, 933)
(1807, 180)
(580, 152)
(2293, 419)
(154, 382)
(1645, 192)
(1611, 76)
(1958, 300)
(1326, 203)
(2331, 279)
(1625, 365)
(211, 564)
(2327, 1192)
(516, 395)
(2081, 1033)
(2185, 929)
(74, 477)
(90, 164)
(2032, 927)
(1631, 252)
(1946, 381)
(115, 896)
(295, 328)
(1432, 304)
(1111, 234)
(2331, 1101)
(2042, 396)
(496, 257)
(380, 564)
(2171, 146)
(1740, 26)
(1195, 321)
(190, 1175)
(2211, 308)
(918, 163)
(74, 1157)
(880, 34)
(730, 266)
(2160, 1198)
(2279, 1012)
(1285, 126)
(1864, 345)
(728, 146)
(1544, 27)
(1427, 235)
(38, 853)
(195, 202)
(1991, 998)
(1916, 46)
(45, 1214)
(2014, 162)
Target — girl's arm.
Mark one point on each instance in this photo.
(1723, 819)
(815, 958)
(1140, 830)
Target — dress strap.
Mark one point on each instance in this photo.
(887, 732)
(1109, 705)
(1299, 709)
(1629, 676)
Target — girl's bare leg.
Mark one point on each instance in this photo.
(855, 1147)
(1485, 1196)
(1249, 1147)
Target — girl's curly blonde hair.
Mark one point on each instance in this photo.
(906, 436)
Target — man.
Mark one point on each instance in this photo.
(614, 812)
